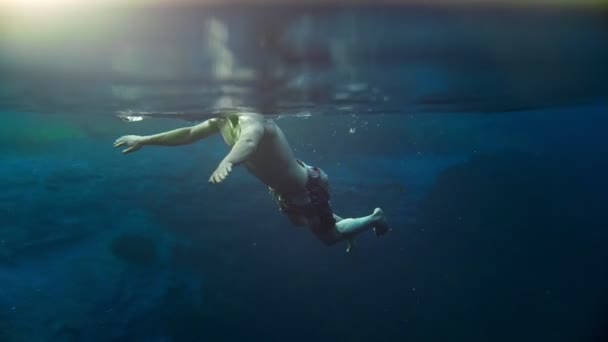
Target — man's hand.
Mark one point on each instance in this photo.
(222, 171)
(132, 142)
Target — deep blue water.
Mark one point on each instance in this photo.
(480, 132)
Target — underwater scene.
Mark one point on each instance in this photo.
(477, 127)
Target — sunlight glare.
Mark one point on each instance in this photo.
(46, 6)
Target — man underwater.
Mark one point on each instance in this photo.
(301, 191)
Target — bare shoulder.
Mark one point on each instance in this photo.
(213, 122)
(254, 120)
(205, 128)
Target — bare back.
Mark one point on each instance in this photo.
(273, 161)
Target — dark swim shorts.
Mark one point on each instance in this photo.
(314, 204)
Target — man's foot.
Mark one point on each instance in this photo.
(381, 226)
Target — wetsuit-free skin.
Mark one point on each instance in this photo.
(259, 144)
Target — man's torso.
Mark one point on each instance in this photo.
(273, 161)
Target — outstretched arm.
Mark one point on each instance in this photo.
(180, 136)
(252, 130)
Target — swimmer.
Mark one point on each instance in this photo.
(301, 191)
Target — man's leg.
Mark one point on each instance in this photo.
(349, 227)
(343, 229)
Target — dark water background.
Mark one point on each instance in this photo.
(479, 131)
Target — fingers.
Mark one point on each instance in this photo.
(220, 174)
(224, 173)
(122, 141)
(126, 140)
(215, 178)
(129, 150)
